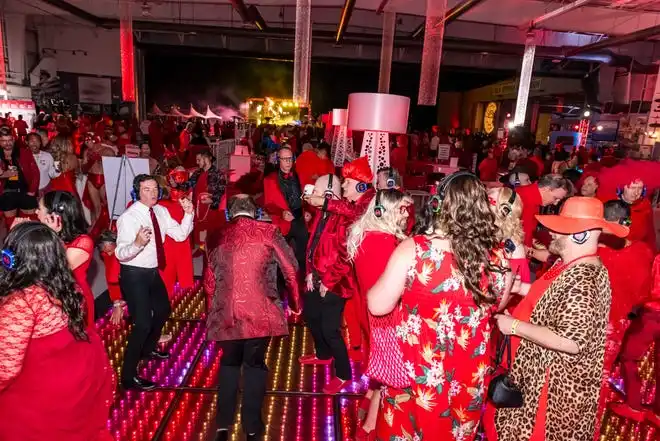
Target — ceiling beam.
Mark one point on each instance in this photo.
(633, 37)
(345, 18)
(77, 12)
(381, 8)
(451, 15)
(557, 12)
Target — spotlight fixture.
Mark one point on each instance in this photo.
(586, 114)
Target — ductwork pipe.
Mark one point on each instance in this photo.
(345, 18)
(633, 37)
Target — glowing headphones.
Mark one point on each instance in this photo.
(626, 222)
(580, 238)
(328, 194)
(379, 210)
(508, 207)
(516, 179)
(391, 182)
(258, 215)
(619, 192)
(362, 187)
(8, 256)
(135, 191)
(436, 200)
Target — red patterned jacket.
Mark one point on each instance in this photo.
(330, 258)
(241, 280)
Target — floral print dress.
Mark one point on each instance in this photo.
(444, 336)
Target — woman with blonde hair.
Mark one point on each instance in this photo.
(66, 162)
(507, 208)
(371, 241)
(445, 283)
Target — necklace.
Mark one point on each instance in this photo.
(557, 269)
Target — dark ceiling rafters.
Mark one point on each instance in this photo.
(633, 37)
(77, 12)
(344, 19)
(451, 15)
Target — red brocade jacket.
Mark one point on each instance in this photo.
(330, 260)
(241, 281)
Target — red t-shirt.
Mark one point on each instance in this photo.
(488, 170)
(531, 199)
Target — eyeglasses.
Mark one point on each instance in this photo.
(289, 159)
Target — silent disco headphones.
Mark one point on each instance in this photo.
(436, 200)
(328, 194)
(362, 187)
(258, 215)
(8, 256)
(379, 210)
(619, 192)
(135, 191)
(508, 207)
(516, 180)
(390, 182)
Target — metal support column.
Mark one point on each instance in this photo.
(525, 80)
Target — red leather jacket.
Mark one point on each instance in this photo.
(241, 282)
(330, 259)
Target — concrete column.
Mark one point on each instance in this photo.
(14, 29)
(387, 45)
(525, 80)
(302, 52)
(434, 32)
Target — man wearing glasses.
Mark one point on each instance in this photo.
(283, 203)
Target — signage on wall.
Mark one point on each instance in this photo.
(489, 118)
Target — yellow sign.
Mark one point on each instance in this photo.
(489, 118)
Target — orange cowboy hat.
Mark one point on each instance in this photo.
(580, 214)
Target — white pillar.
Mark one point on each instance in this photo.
(14, 28)
(525, 80)
(387, 45)
(302, 51)
(432, 52)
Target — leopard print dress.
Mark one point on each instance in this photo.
(575, 306)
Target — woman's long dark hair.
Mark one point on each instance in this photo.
(40, 259)
(466, 220)
(69, 208)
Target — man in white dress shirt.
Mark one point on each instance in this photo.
(44, 160)
(141, 231)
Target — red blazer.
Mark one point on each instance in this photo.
(244, 300)
(275, 203)
(29, 169)
(337, 271)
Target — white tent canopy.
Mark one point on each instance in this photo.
(194, 113)
(211, 115)
(176, 113)
(155, 111)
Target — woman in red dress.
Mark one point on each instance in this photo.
(66, 161)
(62, 212)
(371, 242)
(444, 284)
(55, 379)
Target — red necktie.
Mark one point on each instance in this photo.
(160, 250)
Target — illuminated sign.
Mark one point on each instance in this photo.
(489, 118)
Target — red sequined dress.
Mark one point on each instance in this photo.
(444, 336)
(85, 244)
(52, 386)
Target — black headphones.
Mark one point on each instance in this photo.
(508, 207)
(8, 256)
(258, 215)
(362, 187)
(135, 191)
(328, 194)
(379, 210)
(436, 200)
(391, 182)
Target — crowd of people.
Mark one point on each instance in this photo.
(500, 305)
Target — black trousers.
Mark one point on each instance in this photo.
(148, 305)
(250, 354)
(298, 237)
(323, 316)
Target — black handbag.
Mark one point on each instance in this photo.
(501, 390)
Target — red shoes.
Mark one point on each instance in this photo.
(622, 409)
(335, 386)
(311, 359)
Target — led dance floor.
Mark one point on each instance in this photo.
(183, 408)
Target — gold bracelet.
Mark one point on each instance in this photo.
(514, 326)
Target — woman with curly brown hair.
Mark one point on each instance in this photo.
(445, 282)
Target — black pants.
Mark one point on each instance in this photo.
(323, 316)
(146, 298)
(298, 237)
(250, 354)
